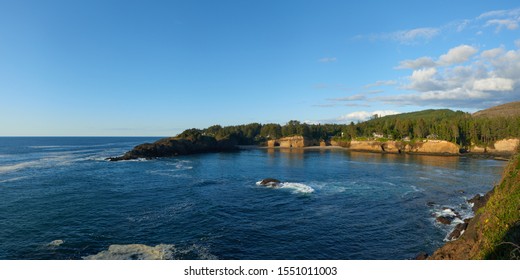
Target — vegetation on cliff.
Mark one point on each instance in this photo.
(494, 232)
(456, 127)
(453, 126)
(188, 142)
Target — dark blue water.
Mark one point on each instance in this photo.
(61, 200)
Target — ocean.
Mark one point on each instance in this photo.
(60, 199)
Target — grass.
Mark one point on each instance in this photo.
(500, 220)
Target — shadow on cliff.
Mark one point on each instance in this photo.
(509, 248)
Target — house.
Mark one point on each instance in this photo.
(377, 135)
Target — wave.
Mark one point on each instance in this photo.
(55, 243)
(18, 166)
(45, 147)
(181, 165)
(295, 187)
(145, 252)
(13, 179)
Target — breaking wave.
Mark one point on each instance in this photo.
(294, 187)
(297, 187)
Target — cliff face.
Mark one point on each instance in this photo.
(292, 142)
(434, 147)
(168, 147)
(428, 147)
(504, 146)
(494, 232)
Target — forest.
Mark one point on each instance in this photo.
(454, 126)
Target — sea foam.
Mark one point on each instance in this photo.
(135, 252)
(295, 187)
(145, 252)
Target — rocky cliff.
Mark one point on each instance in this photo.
(426, 147)
(500, 147)
(173, 146)
(494, 232)
(292, 142)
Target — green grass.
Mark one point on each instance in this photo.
(501, 217)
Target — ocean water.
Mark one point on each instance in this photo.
(60, 199)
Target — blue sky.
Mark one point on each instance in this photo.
(158, 67)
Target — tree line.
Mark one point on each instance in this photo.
(457, 127)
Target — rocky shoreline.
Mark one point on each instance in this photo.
(176, 146)
(173, 146)
(494, 231)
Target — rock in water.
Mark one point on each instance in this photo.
(458, 231)
(444, 220)
(421, 256)
(270, 182)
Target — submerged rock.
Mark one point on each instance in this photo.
(421, 256)
(55, 243)
(446, 220)
(271, 182)
(447, 215)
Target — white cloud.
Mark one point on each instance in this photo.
(492, 53)
(508, 19)
(422, 78)
(381, 83)
(490, 77)
(327, 59)
(421, 62)
(458, 54)
(355, 97)
(364, 115)
(493, 84)
(497, 13)
(503, 23)
(455, 55)
(412, 35)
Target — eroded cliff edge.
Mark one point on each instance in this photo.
(494, 232)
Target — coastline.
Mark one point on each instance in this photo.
(494, 231)
(494, 156)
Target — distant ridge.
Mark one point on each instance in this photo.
(511, 109)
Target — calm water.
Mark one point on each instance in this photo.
(61, 200)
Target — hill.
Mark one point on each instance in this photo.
(429, 114)
(511, 109)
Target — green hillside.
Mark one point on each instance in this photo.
(511, 109)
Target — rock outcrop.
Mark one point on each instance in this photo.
(433, 147)
(500, 147)
(270, 182)
(272, 143)
(295, 142)
(172, 146)
(397, 147)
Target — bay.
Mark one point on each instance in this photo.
(60, 199)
